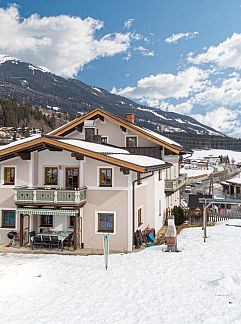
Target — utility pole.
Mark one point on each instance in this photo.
(211, 191)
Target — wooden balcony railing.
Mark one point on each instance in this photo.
(172, 185)
(154, 152)
(44, 196)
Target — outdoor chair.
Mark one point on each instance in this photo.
(68, 241)
(37, 241)
(55, 243)
(31, 234)
(46, 242)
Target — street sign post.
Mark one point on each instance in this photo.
(106, 246)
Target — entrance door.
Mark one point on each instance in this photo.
(72, 178)
(24, 229)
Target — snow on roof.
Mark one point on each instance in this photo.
(234, 180)
(21, 141)
(99, 148)
(159, 136)
(141, 160)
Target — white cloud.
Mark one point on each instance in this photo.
(174, 38)
(62, 43)
(128, 23)
(155, 88)
(144, 51)
(182, 108)
(226, 54)
(127, 57)
(228, 93)
(221, 119)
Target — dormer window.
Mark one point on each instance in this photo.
(131, 141)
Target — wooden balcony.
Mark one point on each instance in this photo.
(173, 185)
(154, 151)
(25, 196)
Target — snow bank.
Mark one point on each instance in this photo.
(199, 285)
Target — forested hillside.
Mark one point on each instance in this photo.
(21, 115)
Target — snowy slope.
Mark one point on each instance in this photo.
(215, 152)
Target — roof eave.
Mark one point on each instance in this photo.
(172, 147)
(158, 167)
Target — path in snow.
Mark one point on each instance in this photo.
(202, 284)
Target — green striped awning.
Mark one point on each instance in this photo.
(45, 211)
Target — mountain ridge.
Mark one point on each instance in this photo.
(26, 82)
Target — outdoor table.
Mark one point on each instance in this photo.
(62, 235)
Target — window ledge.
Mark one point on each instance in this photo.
(102, 233)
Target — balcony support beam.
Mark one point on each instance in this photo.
(77, 156)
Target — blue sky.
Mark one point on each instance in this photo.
(182, 56)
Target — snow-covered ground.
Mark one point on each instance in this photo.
(197, 154)
(201, 284)
(196, 172)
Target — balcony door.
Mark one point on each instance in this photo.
(72, 178)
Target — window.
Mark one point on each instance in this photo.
(159, 175)
(8, 218)
(51, 176)
(106, 222)
(131, 141)
(9, 176)
(104, 140)
(139, 217)
(46, 221)
(71, 221)
(72, 177)
(105, 177)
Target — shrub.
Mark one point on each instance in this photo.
(179, 216)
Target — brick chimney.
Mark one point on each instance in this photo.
(130, 118)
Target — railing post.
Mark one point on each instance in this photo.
(77, 196)
(55, 196)
(34, 196)
(15, 195)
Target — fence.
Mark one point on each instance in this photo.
(214, 217)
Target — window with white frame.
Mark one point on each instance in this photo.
(9, 175)
(131, 141)
(8, 218)
(105, 177)
(105, 222)
(104, 139)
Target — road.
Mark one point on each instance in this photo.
(203, 188)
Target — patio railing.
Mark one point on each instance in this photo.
(52, 196)
(173, 185)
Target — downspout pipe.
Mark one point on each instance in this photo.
(133, 202)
